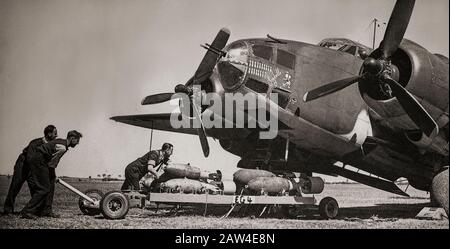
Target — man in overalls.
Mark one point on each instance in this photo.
(22, 169)
(43, 164)
(148, 163)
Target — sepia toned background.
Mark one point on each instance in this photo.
(77, 63)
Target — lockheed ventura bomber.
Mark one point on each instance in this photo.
(383, 111)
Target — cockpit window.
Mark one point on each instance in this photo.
(237, 52)
(235, 45)
(263, 51)
(347, 46)
(286, 59)
(230, 75)
(233, 66)
(348, 49)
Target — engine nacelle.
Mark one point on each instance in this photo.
(438, 144)
(423, 74)
(236, 147)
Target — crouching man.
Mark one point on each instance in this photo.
(43, 164)
(151, 163)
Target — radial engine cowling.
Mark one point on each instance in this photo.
(423, 74)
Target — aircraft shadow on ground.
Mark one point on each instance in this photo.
(402, 211)
(380, 211)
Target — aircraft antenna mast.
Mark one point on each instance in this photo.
(151, 136)
(374, 32)
(375, 25)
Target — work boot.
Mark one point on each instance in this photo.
(29, 216)
(7, 211)
(51, 215)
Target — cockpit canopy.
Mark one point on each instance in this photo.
(347, 46)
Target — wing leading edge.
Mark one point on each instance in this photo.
(162, 122)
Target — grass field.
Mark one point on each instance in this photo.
(360, 207)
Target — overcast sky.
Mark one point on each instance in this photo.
(75, 64)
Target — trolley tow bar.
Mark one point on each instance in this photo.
(88, 200)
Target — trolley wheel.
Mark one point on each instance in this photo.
(114, 205)
(85, 207)
(328, 208)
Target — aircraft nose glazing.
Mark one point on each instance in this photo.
(232, 68)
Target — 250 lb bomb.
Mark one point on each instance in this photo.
(188, 186)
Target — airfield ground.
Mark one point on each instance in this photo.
(361, 207)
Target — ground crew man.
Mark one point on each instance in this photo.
(151, 162)
(43, 164)
(22, 168)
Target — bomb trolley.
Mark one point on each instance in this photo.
(116, 204)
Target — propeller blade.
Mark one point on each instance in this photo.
(156, 98)
(201, 131)
(208, 62)
(330, 88)
(396, 28)
(413, 108)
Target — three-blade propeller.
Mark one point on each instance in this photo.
(376, 69)
(203, 72)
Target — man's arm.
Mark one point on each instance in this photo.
(151, 168)
(60, 150)
(47, 150)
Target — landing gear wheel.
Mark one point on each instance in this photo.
(439, 189)
(114, 205)
(86, 207)
(328, 208)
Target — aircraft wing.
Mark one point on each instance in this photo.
(162, 122)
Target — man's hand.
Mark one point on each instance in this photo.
(163, 168)
(152, 171)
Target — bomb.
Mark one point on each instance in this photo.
(272, 185)
(188, 186)
(243, 176)
(275, 185)
(191, 172)
(310, 185)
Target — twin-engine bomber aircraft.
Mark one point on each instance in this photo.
(383, 111)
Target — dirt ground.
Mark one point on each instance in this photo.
(360, 207)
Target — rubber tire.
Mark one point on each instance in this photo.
(328, 208)
(94, 194)
(439, 189)
(119, 197)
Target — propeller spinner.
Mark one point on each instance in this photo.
(377, 69)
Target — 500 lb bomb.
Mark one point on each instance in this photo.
(271, 185)
(243, 176)
(191, 172)
(276, 185)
